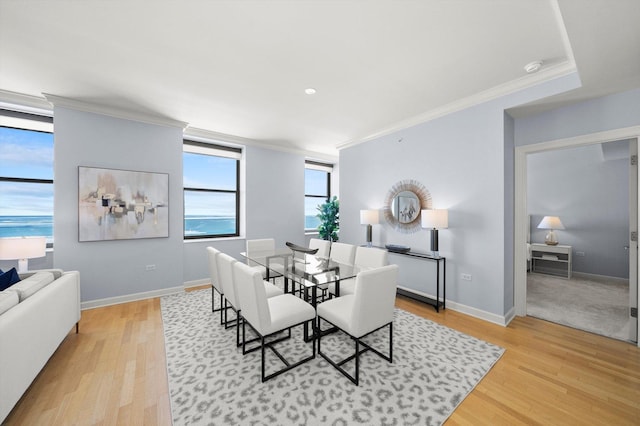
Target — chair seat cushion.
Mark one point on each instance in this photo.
(272, 290)
(337, 311)
(287, 310)
(347, 286)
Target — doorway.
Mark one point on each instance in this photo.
(522, 225)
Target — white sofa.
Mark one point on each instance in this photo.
(34, 320)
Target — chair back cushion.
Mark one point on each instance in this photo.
(212, 254)
(252, 296)
(374, 299)
(323, 246)
(343, 253)
(261, 244)
(370, 257)
(225, 274)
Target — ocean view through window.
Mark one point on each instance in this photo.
(211, 178)
(26, 175)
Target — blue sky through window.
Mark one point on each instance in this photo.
(26, 154)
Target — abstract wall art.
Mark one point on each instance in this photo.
(122, 204)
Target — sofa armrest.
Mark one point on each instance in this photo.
(57, 273)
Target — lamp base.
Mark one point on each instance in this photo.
(550, 239)
(434, 242)
(23, 265)
(369, 235)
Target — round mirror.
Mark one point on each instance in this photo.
(405, 207)
(403, 204)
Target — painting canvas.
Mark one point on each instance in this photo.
(122, 204)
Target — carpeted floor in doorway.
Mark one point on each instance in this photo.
(589, 304)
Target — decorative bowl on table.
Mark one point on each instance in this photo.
(301, 249)
(397, 248)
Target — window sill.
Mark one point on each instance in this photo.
(209, 240)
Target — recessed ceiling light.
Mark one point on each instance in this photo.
(532, 67)
(310, 91)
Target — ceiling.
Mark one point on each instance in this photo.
(241, 68)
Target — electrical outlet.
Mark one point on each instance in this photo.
(150, 267)
(466, 277)
(580, 253)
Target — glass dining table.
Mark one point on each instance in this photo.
(308, 271)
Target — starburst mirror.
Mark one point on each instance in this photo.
(403, 204)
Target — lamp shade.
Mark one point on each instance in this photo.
(435, 219)
(12, 248)
(550, 222)
(369, 217)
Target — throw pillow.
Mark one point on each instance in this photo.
(9, 278)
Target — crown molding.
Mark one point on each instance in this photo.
(204, 135)
(513, 86)
(25, 103)
(60, 101)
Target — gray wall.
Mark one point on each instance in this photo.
(465, 160)
(596, 115)
(592, 116)
(273, 195)
(590, 194)
(509, 208)
(115, 268)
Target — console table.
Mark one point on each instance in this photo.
(441, 266)
(559, 255)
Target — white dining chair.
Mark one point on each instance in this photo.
(225, 273)
(365, 258)
(270, 316)
(212, 254)
(343, 253)
(229, 285)
(263, 244)
(323, 246)
(369, 309)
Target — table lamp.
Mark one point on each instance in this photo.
(550, 223)
(434, 220)
(369, 217)
(23, 249)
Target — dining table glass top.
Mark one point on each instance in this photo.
(306, 269)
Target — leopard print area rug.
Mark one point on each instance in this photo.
(211, 383)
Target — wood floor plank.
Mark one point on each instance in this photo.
(114, 372)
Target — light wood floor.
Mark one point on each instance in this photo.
(114, 372)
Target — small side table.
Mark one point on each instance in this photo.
(559, 254)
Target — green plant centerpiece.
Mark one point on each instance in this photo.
(329, 219)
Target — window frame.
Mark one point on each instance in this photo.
(210, 149)
(37, 118)
(328, 168)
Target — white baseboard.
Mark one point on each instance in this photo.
(98, 303)
(471, 311)
(196, 283)
(599, 277)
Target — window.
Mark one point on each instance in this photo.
(211, 179)
(317, 190)
(26, 175)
